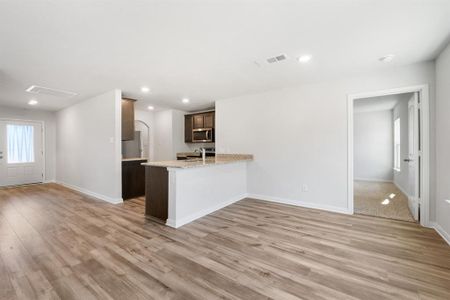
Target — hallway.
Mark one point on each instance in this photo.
(381, 199)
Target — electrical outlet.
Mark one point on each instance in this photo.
(305, 188)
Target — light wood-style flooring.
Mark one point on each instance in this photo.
(58, 244)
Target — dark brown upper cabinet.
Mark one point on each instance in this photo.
(203, 120)
(127, 119)
(188, 128)
(198, 121)
(199, 127)
(208, 120)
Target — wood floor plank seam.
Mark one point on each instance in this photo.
(56, 243)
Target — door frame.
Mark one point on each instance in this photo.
(423, 91)
(42, 123)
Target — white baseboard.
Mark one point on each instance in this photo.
(445, 235)
(50, 181)
(90, 193)
(336, 209)
(185, 220)
(373, 180)
(401, 189)
(412, 203)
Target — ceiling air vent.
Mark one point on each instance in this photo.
(277, 58)
(34, 89)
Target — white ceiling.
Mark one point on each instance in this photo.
(380, 103)
(204, 50)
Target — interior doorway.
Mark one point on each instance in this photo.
(388, 154)
(21, 152)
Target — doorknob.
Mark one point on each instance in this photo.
(408, 160)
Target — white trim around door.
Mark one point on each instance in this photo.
(423, 91)
(41, 142)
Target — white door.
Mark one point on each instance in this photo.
(21, 153)
(413, 158)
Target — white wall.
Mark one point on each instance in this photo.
(169, 134)
(178, 132)
(49, 119)
(373, 145)
(163, 135)
(299, 135)
(443, 141)
(89, 146)
(401, 178)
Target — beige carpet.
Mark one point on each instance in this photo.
(381, 199)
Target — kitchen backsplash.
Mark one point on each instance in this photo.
(193, 146)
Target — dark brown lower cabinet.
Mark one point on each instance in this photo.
(157, 193)
(133, 179)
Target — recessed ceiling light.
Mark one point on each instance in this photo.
(32, 102)
(385, 202)
(185, 100)
(145, 89)
(304, 58)
(387, 58)
(150, 107)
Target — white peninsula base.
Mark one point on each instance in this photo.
(196, 192)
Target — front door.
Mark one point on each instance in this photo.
(21, 153)
(413, 158)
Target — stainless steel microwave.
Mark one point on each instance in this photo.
(203, 135)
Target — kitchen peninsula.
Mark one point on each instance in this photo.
(181, 191)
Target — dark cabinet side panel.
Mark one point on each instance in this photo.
(188, 129)
(156, 193)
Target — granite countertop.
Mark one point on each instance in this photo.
(134, 159)
(219, 159)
